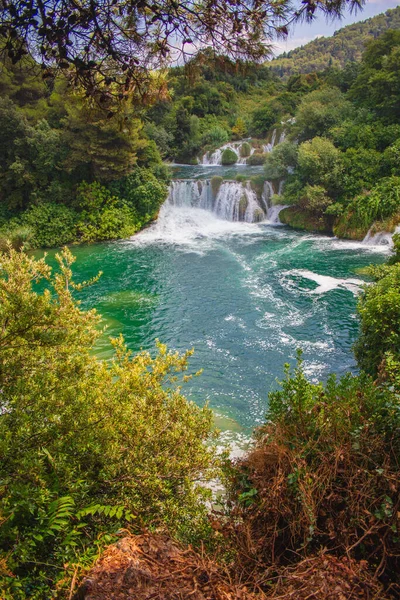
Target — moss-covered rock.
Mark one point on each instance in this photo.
(229, 157)
(348, 227)
(216, 183)
(258, 215)
(256, 159)
(243, 203)
(245, 150)
(301, 219)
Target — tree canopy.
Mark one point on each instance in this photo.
(105, 42)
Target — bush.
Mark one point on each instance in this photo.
(262, 120)
(378, 205)
(216, 183)
(215, 137)
(378, 348)
(257, 159)
(142, 192)
(229, 157)
(278, 161)
(320, 163)
(88, 447)
(245, 150)
(324, 474)
(18, 237)
(110, 223)
(315, 199)
(53, 225)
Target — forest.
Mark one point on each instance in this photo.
(93, 450)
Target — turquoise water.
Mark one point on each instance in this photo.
(244, 296)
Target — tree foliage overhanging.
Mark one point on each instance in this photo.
(110, 42)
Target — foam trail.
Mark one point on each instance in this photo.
(327, 283)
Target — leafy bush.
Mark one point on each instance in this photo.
(110, 223)
(315, 199)
(324, 474)
(320, 163)
(53, 225)
(229, 157)
(88, 447)
(18, 237)
(262, 120)
(216, 183)
(215, 137)
(378, 347)
(320, 110)
(381, 203)
(282, 157)
(256, 159)
(245, 150)
(142, 192)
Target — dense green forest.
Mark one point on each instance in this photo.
(345, 46)
(69, 172)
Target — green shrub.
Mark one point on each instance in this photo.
(245, 150)
(215, 137)
(379, 342)
(110, 223)
(315, 199)
(18, 237)
(256, 159)
(216, 183)
(324, 474)
(53, 225)
(229, 157)
(87, 447)
(141, 191)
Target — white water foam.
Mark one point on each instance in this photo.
(381, 238)
(325, 282)
(273, 214)
(187, 225)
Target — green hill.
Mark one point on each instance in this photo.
(346, 45)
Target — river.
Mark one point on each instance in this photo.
(245, 296)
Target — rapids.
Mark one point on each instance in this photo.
(244, 295)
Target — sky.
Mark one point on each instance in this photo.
(305, 32)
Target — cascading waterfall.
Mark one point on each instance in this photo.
(215, 158)
(272, 211)
(233, 201)
(381, 238)
(191, 192)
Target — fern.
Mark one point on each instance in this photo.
(60, 513)
(117, 511)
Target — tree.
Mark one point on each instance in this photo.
(86, 446)
(99, 148)
(106, 43)
(282, 157)
(320, 110)
(320, 163)
(378, 83)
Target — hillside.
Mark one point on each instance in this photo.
(346, 45)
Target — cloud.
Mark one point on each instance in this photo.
(384, 3)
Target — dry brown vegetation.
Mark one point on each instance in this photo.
(153, 567)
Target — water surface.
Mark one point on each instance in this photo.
(244, 296)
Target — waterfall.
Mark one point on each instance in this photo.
(234, 200)
(381, 238)
(190, 192)
(215, 158)
(267, 193)
(273, 213)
